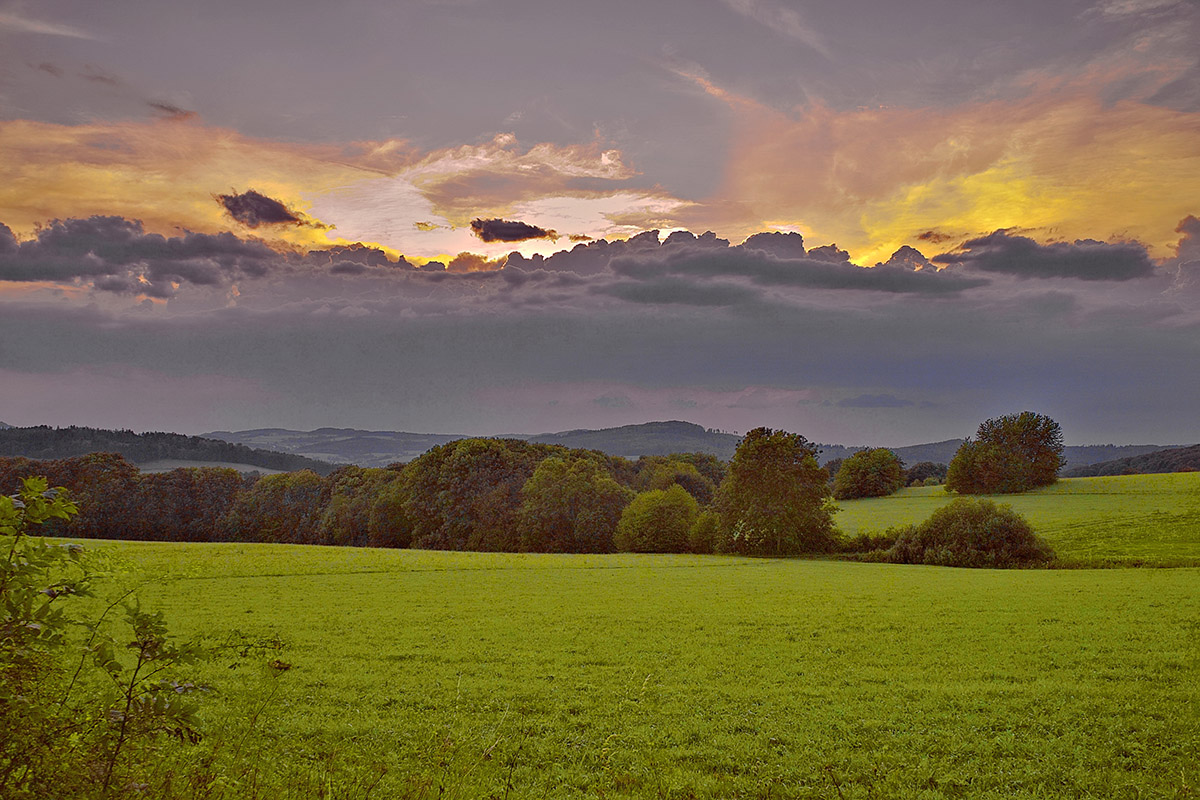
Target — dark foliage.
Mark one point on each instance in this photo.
(1013, 453)
(833, 467)
(466, 495)
(661, 472)
(869, 473)
(971, 532)
(185, 505)
(278, 508)
(872, 541)
(918, 473)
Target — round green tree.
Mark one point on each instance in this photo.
(774, 501)
(869, 473)
(657, 521)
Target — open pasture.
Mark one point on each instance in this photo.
(1150, 519)
(425, 674)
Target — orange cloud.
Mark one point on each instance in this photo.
(167, 173)
(1058, 160)
(163, 172)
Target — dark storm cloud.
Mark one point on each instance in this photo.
(907, 258)
(254, 209)
(119, 256)
(675, 291)
(777, 260)
(765, 270)
(937, 237)
(1084, 259)
(354, 254)
(780, 245)
(874, 401)
(503, 230)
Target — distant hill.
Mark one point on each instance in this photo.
(4, 426)
(44, 442)
(380, 448)
(647, 439)
(341, 445)
(1174, 459)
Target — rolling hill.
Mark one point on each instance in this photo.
(1174, 459)
(380, 448)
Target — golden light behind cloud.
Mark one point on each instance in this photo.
(164, 173)
(1059, 162)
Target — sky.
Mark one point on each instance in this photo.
(866, 222)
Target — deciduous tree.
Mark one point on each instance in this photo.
(774, 500)
(1013, 453)
(869, 473)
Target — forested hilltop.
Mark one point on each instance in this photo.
(1175, 459)
(44, 442)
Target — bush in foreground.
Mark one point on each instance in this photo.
(971, 533)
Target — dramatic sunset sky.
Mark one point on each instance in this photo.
(490, 216)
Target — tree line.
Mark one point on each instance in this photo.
(510, 495)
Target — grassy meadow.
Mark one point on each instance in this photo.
(1136, 519)
(432, 674)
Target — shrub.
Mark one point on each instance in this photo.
(871, 541)
(59, 737)
(970, 532)
(657, 521)
(869, 473)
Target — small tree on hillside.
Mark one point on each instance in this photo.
(869, 473)
(774, 500)
(1013, 453)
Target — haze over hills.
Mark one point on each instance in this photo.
(380, 448)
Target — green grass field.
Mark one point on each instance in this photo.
(423, 674)
(1152, 519)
